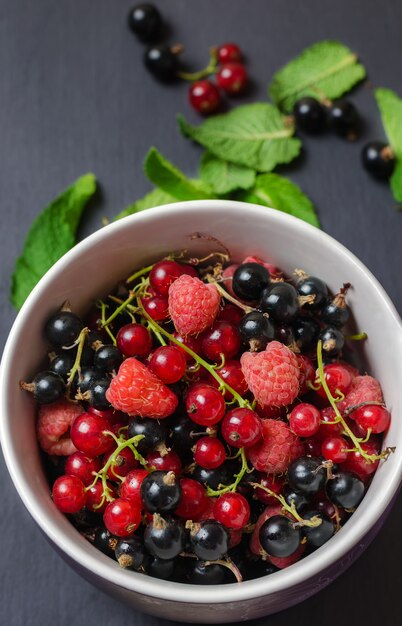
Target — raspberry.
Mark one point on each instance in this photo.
(53, 425)
(278, 447)
(193, 305)
(269, 511)
(272, 269)
(137, 391)
(272, 375)
(362, 389)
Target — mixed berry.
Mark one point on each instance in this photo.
(203, 424)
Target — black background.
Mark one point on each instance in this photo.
(74, 97)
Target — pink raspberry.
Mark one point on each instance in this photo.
(278, 447)
(272, 375)
(53, 425)
(137, 391)
(362, 389)
(193, 305)
(272, 269)
(227, 276)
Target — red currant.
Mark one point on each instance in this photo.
(205, 405)
(134, 340)
(312, 447)
(194, 500)
(130, 489)
(69, 494)
(194, 343)
(329, 429)
(112, 416)
(96, 501)
(232, 510)
(229, 52)
(168, 363)
(209, 452)
(274, 483)
(335, 449)
(163, 274)
(222, 339)
(232, 373)
(122, 517)
(357, 464)
(372, 417)
(88, 434)
(83, 467)
(338, 378)
(232, 78)
(157, 307)
(204, 97)
(169, 462)
(241, 428)
(305, 419)
(307, 373)
(123, 464)
(231, 313)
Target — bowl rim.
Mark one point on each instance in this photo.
(76, 548)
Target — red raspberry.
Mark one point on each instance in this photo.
(137, 391)
(269, 511)
(278, 447)
(272, 375)
(362, 389)
(53, 425)
(227, 277)
(193, 305)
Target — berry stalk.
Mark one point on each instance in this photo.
(77, 363)
(232, 487)
(290, 508)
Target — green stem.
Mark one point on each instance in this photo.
(290, 508)
(119, 309)
(103, 319)
(243, 470)
(141, 272)
(230, 298)
(207, 71)
(77, 363)
(358, 337)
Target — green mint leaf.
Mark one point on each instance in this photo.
(280, 193)
(154, 198)
(325, 70)
(390, 106)
(51, 235)
(171, 180)
(224, 176)
(254, 135)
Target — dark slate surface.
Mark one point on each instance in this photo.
(74, 97)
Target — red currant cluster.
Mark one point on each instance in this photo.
(200, 434)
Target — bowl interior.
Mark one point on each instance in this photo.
(98, 263)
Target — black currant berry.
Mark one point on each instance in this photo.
(105, 541)
(378, 159)
(46, 387)
(198, 573)
(63, 329)
(97, 394)
(249, 280)
(108, 358)
(335, 312)
(256, 330)
(285, 335)
(306, 331)
(300, 500)
(160, 492)
(281, 301)
(87, 377)
(311, 287)
(161, 62)
(317, 535)
(332, 341)
(279, 537)
(209, 540)
(159, 568)
(344, 118)
(62, 364)
(345, 490)
(154, 432)
(307, 474)
(310, 115)
(145, 21)
(164, 539)
(221, 475)
(129, 552)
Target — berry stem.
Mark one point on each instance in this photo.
(141, 272)
(122, 307)
(357, 337)
(77, 363)
(243, 470)
(103, 307)
(290, 508)
(228, 297)
(209, 69)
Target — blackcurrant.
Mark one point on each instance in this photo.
(145, 21)
(198, 573)
(378, 159)
(344, 118)
(97, 394)
(310, 115)
(335, 312)
(300, 500)
(129, 552)
(314, 288)
(46, 387)
(105, 541)
(209, 540)
(161, 62)
(62, 364)
(317, 535)
(63, 329)
(159, 568)
(285, 334)
(281, 301)
(160, 492)
(87, 377)
(332, 341)
(163, 538)
(279, 537)
(249, 280)
(306, 331)
(108, 358)
(154, 432)
(256, 330)
(307, 474)
(221, 475)
(345, 490)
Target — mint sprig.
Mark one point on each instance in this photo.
(325, 70)
(390, 106)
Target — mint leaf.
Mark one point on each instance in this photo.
(325, 70)
(224, 176)
(51, 235)
(154, 198)
(171, 180)
(254, 135)
(280, 193)
(390, 106)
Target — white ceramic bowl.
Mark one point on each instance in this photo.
(91, 269)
